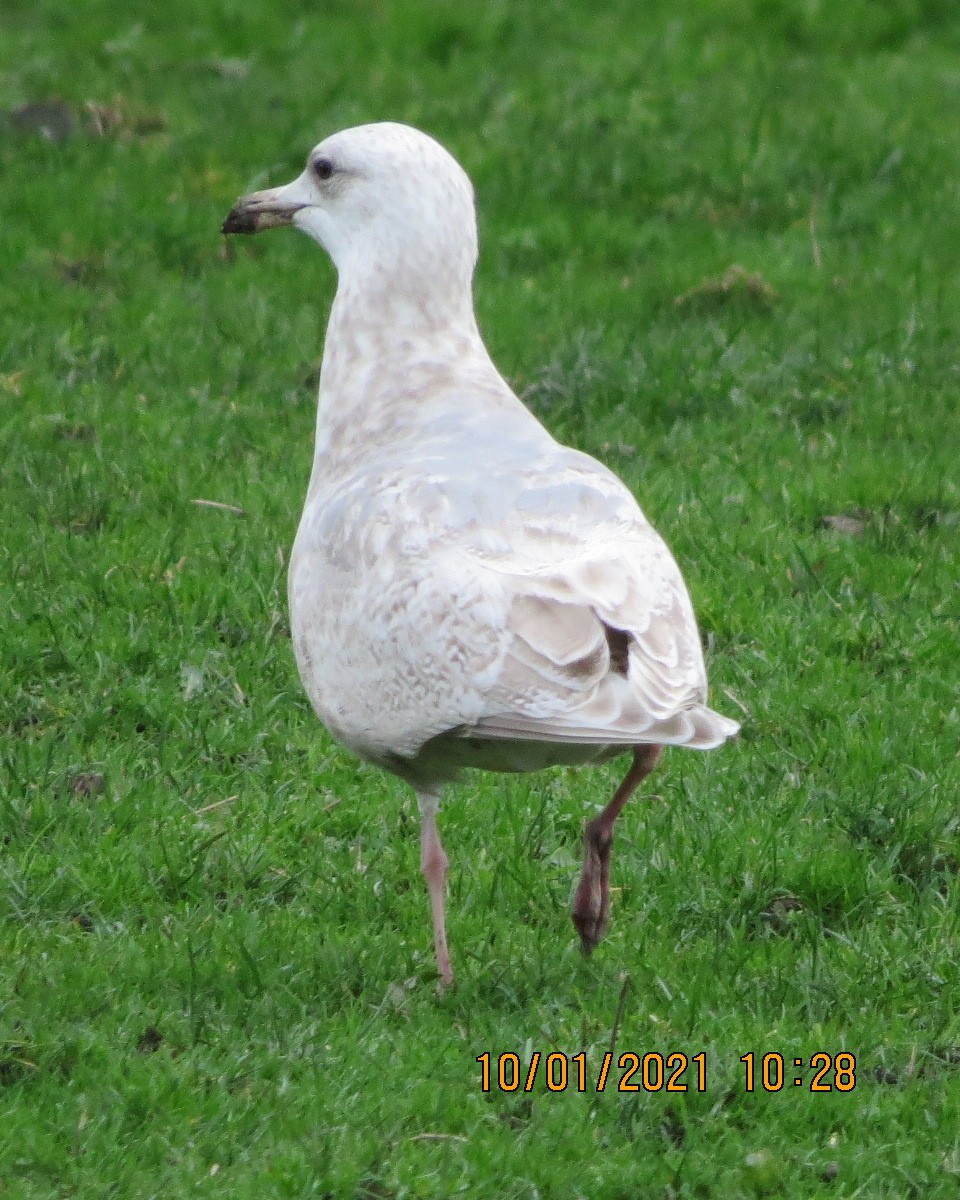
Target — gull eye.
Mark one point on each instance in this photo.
(322, 168)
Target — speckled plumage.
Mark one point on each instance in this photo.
(464, 591)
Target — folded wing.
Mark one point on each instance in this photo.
(603, 646)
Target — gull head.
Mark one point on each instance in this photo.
(384, 200)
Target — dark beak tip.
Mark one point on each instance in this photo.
(239, 220)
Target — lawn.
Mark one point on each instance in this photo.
(719, 246)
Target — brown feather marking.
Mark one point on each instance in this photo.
(618, 643)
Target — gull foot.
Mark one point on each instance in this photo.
(591, 904)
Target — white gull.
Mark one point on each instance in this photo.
(464, 590)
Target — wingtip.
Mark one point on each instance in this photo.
(712, 729)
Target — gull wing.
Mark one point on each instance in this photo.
(602, 644)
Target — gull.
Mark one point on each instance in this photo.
(464, 590)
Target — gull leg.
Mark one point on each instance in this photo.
(591, 904)
(433, 864)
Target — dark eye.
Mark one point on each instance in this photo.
(322, 168)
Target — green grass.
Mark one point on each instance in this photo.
(216, 975)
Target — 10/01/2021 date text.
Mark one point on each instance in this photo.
(655, 1072)
(652, 1072)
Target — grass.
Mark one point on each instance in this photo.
(216, 976)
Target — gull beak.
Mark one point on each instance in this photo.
(266, 210)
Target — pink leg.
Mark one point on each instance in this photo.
(433, 864)
(591, 904)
